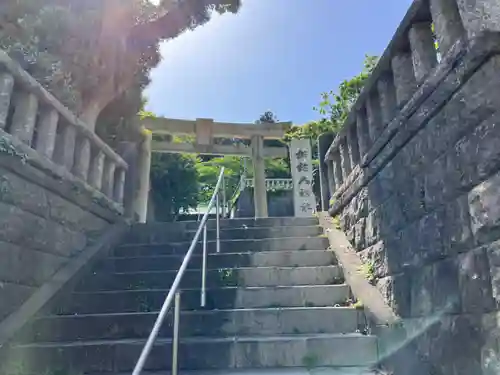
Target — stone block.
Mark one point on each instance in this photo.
(391, 217)
(372, 228)
(493, 254)
(359, 234)
(475, 282)
(396, 291)
(15, 294)
(435, 289)
(24, 266)
(457, 234)
(25, 229)
(23, 194)
(484, 207)
(490, 350)
(478, 153)
(411, 197)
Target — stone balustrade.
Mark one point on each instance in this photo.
(403, 70)
(37, 124)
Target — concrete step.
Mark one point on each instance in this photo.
(227, 246)
(222, 298)
(259, 233)
(300, 258)
(202, 353)
(258, 322)
(251, 276)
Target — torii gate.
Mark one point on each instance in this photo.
(205, 131)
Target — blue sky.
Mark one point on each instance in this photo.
(276, 55)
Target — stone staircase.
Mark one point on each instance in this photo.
(275, 299)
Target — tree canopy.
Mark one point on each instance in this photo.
(95, 52)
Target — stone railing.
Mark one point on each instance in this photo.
(272, 183)
(36, 125)
(408, 69)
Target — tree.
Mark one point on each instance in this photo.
(89, 53)
(174, 183)
(335, 107)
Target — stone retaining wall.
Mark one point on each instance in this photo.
(418, 193)
(43, 223)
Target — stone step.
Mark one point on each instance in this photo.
(272, 371)
(227, 246)
(300, 258)
(258, 322)
(257, 223)
(260, 233)
(223, 298)
(201, 353)
(251, 276)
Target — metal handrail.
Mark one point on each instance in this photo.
(173, 292)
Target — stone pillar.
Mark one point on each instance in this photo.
(82, 158)
(374, 115)
(447, 23)
(6, 87)
(363, 133)
(143, 172)
(129, 152)
(345, 161)
(337, 170)
(324, 142)
(352, 145)
(23, 121)
(304, 200)
(65, 146)
(96, 169)
(47, 132)
(331, 178)
(259, 172)
(108, 177)
(387, 95)
(422, 49)
(119, 186)
(404, 77)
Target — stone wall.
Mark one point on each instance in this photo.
(416, 184)
(43, 223)
(60, 185)
(279, 204)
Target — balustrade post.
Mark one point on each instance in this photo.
(96, 169)
(448, 25)
(387, 94)
(363, 133)
(47, 132)
(25, 113)
(119, 185)
(331, 178)
(6, 88)
(373, 112)
(352, 145)
(82, 158)
(337, 170)
(422, 49)
(65, 146)
(404, 77)
(108, 177)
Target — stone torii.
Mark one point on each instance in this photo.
(205, 131)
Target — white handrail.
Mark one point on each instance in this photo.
(175, 285)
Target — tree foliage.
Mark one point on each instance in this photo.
(89, 53)
(174, 183)
(334, 107)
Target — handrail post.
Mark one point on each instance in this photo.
(204, 269)
(175, 340)
(218, 222)
(223, 197)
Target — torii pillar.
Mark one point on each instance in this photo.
(259, 172)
